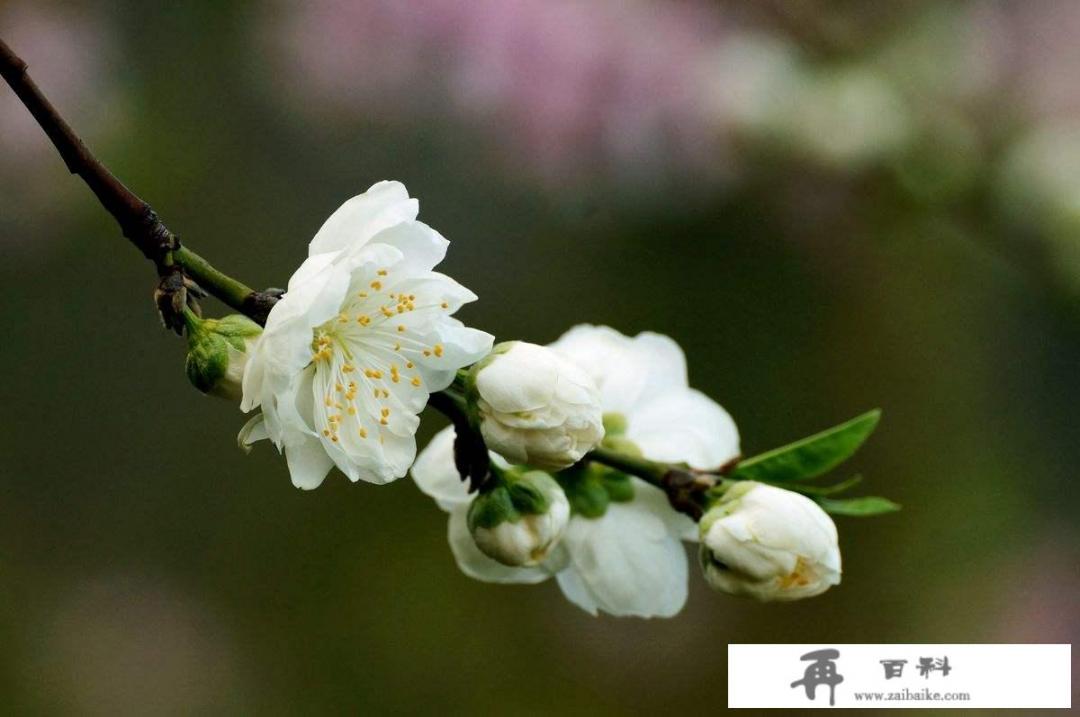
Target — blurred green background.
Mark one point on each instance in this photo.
(830, 206)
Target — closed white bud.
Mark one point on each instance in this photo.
(769, 543)
(536, 407)
(217, 352)
(519, 521)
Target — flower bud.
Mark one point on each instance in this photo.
(217, 352)
(519, 521)
(769, 543)
(536, 407)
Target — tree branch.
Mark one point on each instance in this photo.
(137, 219)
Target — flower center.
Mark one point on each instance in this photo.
(365, 360)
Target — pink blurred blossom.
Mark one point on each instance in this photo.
(568, 84)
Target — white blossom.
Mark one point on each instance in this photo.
(643, 386)
(630, 560)
(769, 543)
(537, 408)
(362, 336)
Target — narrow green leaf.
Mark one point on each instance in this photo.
(827, 489)
(811, 456)
(860, 507)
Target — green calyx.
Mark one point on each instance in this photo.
(515, 496)
(590, 487)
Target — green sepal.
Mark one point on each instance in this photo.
(514, 496)
(234, 328)
(529, 492)
(811, 456)
(584, 488)
(492, 508)
(619, 487)
(858, 507)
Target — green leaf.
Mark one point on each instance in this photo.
(828, 489)
(861, 507)
(811, 456)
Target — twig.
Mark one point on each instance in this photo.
(137, 219)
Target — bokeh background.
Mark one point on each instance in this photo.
(830, 206)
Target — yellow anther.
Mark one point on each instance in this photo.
(401, 328)
(362, 432)
(362, 294)
(326, 432)
(408, 364)
(445, 304)
(328, 402)
(416, 381)
(334, 439)
(397, 347)
(348, 368)
(384, 422)
(363, 319)
(381, 272)
(386, 312)
(376, 285)
(385, 411)
(342, 317)
(339, 387)
(352, 410)
(426, 352)
(438, 349)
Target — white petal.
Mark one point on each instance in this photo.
(479, 566)
(626, 563)
(362, 217)
(626, 370)
(684, 426)
(421, 246)
(656, 501)
(308, 462)
(285, 344)
(436, 475)
(522, 379)
(254, 430)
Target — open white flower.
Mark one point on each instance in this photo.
(644, 389)
(362, 336)
(769, 543)
(536, 407)
(630, 560)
